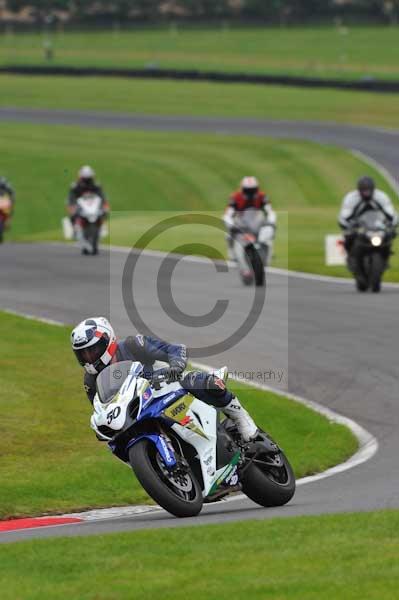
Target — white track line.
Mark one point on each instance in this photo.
(368, 444)
(378, 167)
(203, 260)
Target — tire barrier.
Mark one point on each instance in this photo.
(368, 84)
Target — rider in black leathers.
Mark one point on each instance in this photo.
(85, 183)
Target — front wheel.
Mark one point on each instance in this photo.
(269, 481)
(256, 263)
(177, 490)
(92, 235)
(377, 267)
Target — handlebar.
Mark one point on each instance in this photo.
(161, 376)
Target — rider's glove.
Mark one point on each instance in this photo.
(234, 230)
(173, 373)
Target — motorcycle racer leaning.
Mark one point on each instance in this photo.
(366, 197)
(250, 197)
(95, 346)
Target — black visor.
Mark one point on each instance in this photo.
(92, 354)
(250, 192)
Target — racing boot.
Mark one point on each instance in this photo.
(241, 418)
(230, 248)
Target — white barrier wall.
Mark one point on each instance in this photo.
(334, 250)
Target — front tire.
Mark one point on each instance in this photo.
(92, 236)
(256, 263)
(377, 267)
(269, 486)
(181, 498)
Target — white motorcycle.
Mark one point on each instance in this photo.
(89, 221)
(180, 451)
(252, 246)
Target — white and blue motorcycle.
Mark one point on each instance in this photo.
(180, 450)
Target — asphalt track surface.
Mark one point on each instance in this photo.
(332, 345)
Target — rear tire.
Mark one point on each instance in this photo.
(143, 458)
(1, 232)
(269, 487)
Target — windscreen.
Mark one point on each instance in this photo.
(110, 380)
(372, 219)
(250, 220)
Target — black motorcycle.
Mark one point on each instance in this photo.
(369, 255)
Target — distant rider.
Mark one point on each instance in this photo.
(250, 197)
(96, 346)
(7, 189)
(85, 184)
(366, 197)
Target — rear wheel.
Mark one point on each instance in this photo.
(269, 481)
(1, 231)
(177, 490)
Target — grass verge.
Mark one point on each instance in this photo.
(351, 556)
(200, 99)
(152, 175)
(50, 459)
(341, 52)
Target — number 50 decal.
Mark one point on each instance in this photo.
(113, 414)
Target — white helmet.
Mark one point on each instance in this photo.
(249, 183)
(86, 172)
(94, 344)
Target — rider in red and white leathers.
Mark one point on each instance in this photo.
(250, 197)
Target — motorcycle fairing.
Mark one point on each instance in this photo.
(164, 449)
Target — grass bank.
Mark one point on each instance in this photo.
(148, 176)
(341, 52)
(206, 99)
(351, 556)
(50, 459)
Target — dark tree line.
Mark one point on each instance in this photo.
(273, 10)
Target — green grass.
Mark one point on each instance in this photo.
(154, 175)
(200, 98)
(350, 556)
(50, 459)
(341, 52)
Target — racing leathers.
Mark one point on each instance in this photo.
(7, 205)
(78, 189)
(154, 353)
(353, 206)
(6, 188)
(240, 205)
